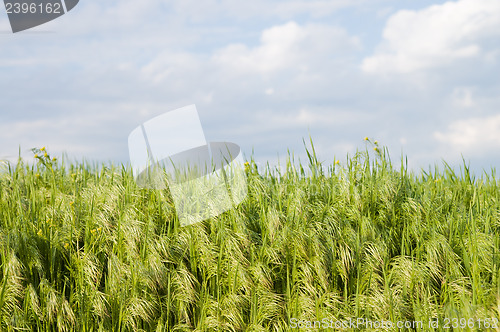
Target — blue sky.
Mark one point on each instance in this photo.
(419, 76)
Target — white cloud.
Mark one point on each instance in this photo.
(435, 36)
(473, 136)
(280, 48)
(287, 46)
(290, 60)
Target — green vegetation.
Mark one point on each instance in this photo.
(83, 248)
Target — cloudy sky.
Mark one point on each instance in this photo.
(421, 77)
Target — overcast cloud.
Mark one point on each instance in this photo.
(419, 76)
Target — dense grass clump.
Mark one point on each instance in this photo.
(83, 248)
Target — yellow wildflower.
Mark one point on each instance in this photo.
(42, 149)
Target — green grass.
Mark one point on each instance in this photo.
(82, 248)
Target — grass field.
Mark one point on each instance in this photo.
(82, 248)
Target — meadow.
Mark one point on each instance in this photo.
(83, 248)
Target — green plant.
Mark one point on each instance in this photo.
(83, 248)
